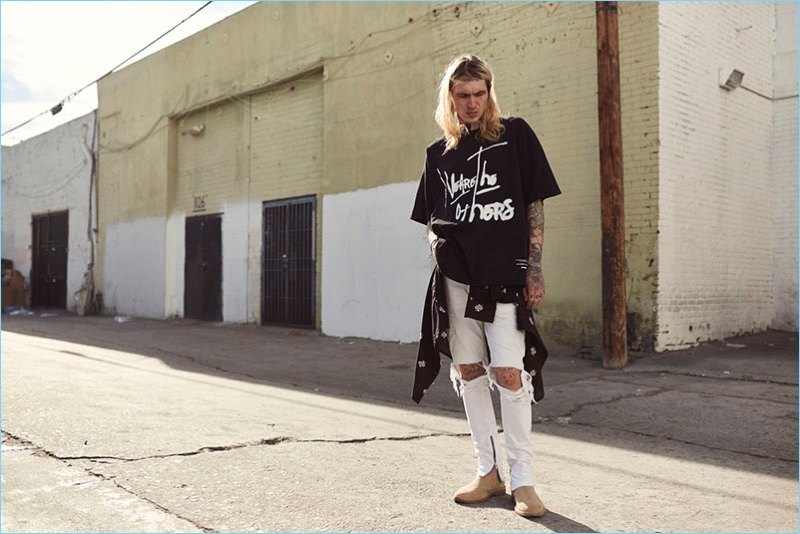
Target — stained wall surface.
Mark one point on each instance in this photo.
(715, 172)
(784, 168)
(334, 101)
(51, 172)
(284, 106)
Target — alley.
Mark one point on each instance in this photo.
(191, 426)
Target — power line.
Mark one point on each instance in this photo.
(57, 108)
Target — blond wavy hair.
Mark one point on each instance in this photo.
(466, 68)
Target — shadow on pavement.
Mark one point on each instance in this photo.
(553, 521)
(369, 371)
(558, 523)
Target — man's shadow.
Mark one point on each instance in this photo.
(551, 520)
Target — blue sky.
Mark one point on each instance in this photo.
(51, 49)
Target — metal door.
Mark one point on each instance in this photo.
(202, 295)
(50, 254)
(289, 263)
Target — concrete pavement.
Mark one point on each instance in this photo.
(163, 426)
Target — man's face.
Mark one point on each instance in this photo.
(470, 100)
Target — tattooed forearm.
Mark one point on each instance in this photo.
(536, 236)
(534, 280)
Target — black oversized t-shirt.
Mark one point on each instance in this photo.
(476, 198)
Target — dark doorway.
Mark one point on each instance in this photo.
(289, 263)
(49, 269)
(202, 294)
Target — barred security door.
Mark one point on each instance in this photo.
(289, 263)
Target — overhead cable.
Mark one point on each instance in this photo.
(57, 108)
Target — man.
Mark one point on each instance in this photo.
(481, 196)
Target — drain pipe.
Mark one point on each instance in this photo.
(612, 201)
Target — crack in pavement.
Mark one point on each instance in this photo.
(150, 501)
(270, 441)
(112, 479)
(576, 409)
(224, 448)
(390, 438)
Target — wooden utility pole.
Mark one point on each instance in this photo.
(612, 200)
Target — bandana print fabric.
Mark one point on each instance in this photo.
(435, 324)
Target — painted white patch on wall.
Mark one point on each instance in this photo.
(134, 263)
(375, 264)
(715, 181)
(175, 257)
(234, 262)
(784, 168)
(253, 281)
(235, 219)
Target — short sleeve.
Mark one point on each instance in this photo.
(421, 211)
(538, 181)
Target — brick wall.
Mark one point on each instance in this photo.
(784, 165)
(543, 55)
(285, 162)
(47, 173)
(207, 144)
(638, 42)
(209, 178)
(715, 196)
(698, 160)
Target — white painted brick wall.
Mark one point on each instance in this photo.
(47, 173)
(135, 247)
(375, 264)
(715, 244)
(785, 169)
(638, 50)
(133, 198)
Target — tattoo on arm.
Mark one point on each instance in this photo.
(536, 240)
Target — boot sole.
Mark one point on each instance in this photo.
(494, 493)
(531, 514)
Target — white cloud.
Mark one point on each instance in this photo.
(51, 49)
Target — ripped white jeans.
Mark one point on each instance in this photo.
(468, 341)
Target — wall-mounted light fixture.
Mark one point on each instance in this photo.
(730, 78)
(195, 130)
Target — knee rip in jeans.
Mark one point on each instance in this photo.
(460, 385)
(523, 394)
